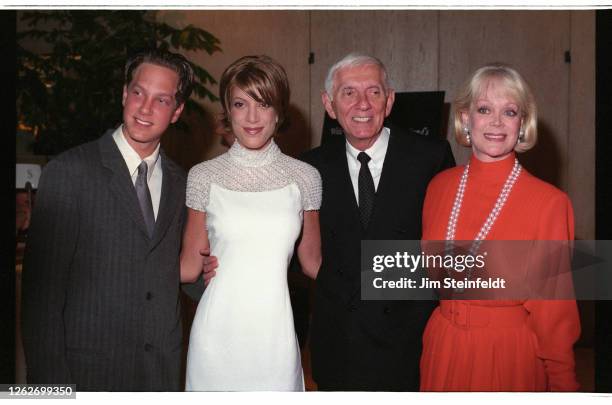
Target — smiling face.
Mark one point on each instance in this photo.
(253, 123)
(494, 120)
(149, 106)
(360, 103)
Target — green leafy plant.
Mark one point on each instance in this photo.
(72, 93)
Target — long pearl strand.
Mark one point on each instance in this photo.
(499, 204)
(488, 224)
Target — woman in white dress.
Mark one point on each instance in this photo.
(248, 207)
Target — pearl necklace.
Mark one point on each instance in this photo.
(488, 224)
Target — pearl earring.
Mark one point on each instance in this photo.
(468, 138)
(521, 137)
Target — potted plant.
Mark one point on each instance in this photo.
(70, 93)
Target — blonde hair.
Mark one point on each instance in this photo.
(515, 86)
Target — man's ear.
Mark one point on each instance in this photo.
(327, 102)
(177, 113)
(390, 101)
(124, 96)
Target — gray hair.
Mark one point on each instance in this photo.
(354, 59)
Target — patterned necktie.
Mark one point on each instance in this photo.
(144, 197)
(366, 189)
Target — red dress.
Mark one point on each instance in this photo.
(530, 346)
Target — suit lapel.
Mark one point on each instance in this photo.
(121, 183)
(395, 165)
(340, 185)
(170, 199)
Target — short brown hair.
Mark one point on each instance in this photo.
(262, 78)
(170, 60)
(515, 86)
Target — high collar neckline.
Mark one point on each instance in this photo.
(497, 170)
(254, 158)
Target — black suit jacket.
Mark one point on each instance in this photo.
(100, 297)
(369, 345)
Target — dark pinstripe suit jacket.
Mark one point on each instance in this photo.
(100, 298)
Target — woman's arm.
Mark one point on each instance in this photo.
(556, 322)
(195, 241)
(309, 248)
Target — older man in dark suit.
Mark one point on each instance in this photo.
(101, 272)
(374, 183)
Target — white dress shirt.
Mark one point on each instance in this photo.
(377, 154)
(154, 167)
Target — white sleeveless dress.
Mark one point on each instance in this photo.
(243, 337)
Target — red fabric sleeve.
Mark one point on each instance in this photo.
(556, 323)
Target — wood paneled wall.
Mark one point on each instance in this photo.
(282, 35)
(425, 50)
(406, 42)
(581, 116)
(532, 41)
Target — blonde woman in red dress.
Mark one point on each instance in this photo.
(524, 345)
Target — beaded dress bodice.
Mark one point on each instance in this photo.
(241, 169)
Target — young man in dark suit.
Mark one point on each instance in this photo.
(374, 183)
(101, 271)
